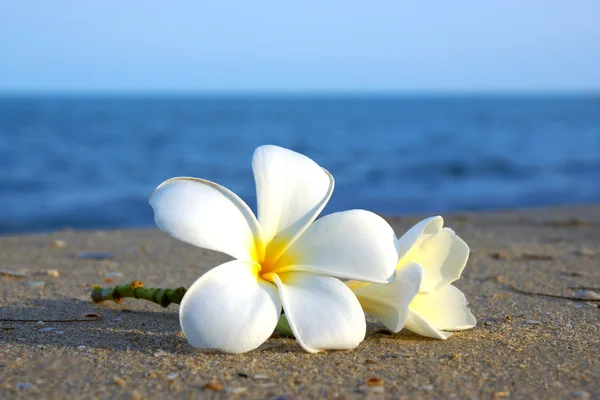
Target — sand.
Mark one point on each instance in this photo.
(522, 347)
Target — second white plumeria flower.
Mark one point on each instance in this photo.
(282, 258)
(421, 297)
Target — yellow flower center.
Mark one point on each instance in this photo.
(274, 260)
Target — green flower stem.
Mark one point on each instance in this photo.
(163, 297)
(283, 327)
(136, 290)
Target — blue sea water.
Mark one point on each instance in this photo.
(91, 162)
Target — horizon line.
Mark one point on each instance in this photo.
(302, 93)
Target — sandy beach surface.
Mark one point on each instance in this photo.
(523, 346)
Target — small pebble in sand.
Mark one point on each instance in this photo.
(12, 274)
(587, 295)
(81, 347)
(40, 324)
(375, 382)
(53, 272)
(36, 284)
(212, 386)
(58, 244)
(236, 390)
(24, 386)
(135, 395)
(118, 381)
(172, 376)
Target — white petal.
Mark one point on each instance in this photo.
(354, 244)
(419, 325)
(446, 309)
(389, 302)
(322, 312)
(411, 237)
(206, 215)
(291, 190)
(444, 256)
(230, 309)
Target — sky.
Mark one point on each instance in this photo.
(193, 46)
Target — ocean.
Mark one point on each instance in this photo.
(91, 162)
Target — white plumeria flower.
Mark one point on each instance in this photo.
(421, 297)
(282, 258)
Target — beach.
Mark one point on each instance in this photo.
(524, 345)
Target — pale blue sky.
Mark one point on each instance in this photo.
(266, 46)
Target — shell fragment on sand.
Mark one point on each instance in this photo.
(12, 274)
(587, 295)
